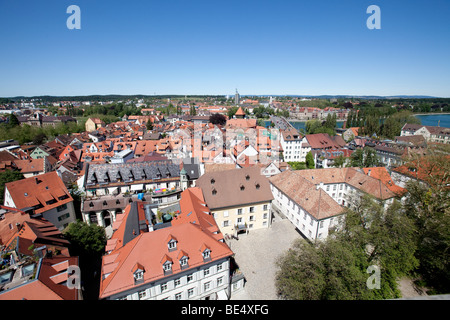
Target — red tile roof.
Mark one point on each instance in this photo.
(382, 174)
(193, 229)
(37, 191)
(240, 112)
(425, 169)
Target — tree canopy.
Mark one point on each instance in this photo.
(218, 118)
(5, 177)
(337, 268)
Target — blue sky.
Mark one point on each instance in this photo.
(212, 47)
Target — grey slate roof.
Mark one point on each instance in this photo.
(106, 173)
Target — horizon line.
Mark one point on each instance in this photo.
(423, 96)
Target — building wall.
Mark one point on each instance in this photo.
(178, 287)
(61, 216)
(90, 125)
(293, 151)
(256, 216)
(38, 153)
(95, 191)
(307, 224)
(400, 179)
(8, 200)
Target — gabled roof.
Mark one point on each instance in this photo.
(240, 112)
(324, 141)
(315, 201)
(50, 284)
(194, 210)
(38, 191)
(352, 176)
(190, 237)
(193, 229)
(30, 165)
(382, 174)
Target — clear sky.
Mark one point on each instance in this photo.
(212, 47)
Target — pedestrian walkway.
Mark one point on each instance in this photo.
(256, 254)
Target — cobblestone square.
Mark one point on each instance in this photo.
(256, 254)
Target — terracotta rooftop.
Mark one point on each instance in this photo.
(351, 176)
(382, 174)
(240, 112)
(44, 192)
(31, 165)
(193, 231)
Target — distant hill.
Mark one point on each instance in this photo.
(116, 97)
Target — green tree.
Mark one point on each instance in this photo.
(336, 268)
(232, 111)
(393, 124)
(88, 243)
(330, 121)
(13, 121)
(192, 110)
(427, 203)
(312, 125)
(295, 165)
(339, 161)
(149, 125)
(301, 274)
(5, 177)
(364, 158)
(86, 239)
(310, 161)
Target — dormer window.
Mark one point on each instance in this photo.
(242, 187)
(138, 273)
(214, 192)
(167, 266)
(171, 243)
(183, 261)
(213, 181)
(257, 186)
(247, 177)
(206, 254)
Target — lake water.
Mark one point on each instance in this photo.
(434, 119)
(426, 120)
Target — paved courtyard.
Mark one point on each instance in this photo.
(256, 254)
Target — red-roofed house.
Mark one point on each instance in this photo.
(36, 260)
(93, 124)
(44, 195)
(186, 259)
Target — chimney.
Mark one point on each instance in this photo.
(369, 172)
